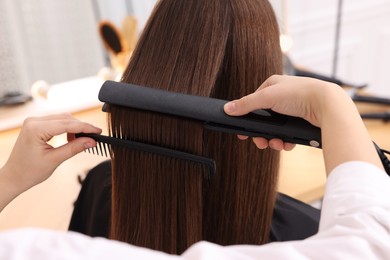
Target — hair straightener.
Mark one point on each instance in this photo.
(209, 111)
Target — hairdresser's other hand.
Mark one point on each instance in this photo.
(33, 160)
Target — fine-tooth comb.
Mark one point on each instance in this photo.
(104, 144)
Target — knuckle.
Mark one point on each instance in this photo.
(67, 115)
(243, 103)
(30, 124)
(28, 120)
(67, 121)
(274, 79)
(74, 149)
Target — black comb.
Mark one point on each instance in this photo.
(104, 144)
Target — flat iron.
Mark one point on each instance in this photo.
(259, 123)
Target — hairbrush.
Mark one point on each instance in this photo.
(112, 38)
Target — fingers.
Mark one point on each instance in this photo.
(275, 144)
(42, 129)
(50, 117)
(50, 126)
(56, 127)
(31, 148)
(289, 146)
(47, 127)
(243, 105)
(66, 151)
(261, 143)
(242, 137)
(260, 99)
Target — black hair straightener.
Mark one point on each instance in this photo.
(259, 123)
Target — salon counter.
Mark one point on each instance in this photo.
(50, 204)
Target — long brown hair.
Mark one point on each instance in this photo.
(216, 48)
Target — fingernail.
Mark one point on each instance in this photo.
(88, 145)
(98, 128)
(230, 107)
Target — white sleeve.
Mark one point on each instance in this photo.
(355, 223)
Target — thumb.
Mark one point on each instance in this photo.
(257, 100)
(66, 151)
(246, 104)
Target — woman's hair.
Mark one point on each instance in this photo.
(216, 48)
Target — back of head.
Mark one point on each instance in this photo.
(223, 49)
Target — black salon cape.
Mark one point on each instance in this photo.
(292, 219)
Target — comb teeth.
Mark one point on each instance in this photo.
(101, 148)
(104, 144)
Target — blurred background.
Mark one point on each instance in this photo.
(58, 41)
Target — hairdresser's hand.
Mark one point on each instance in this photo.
(33, 160)
(289, 95)
(326, 105)
(294, 96)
